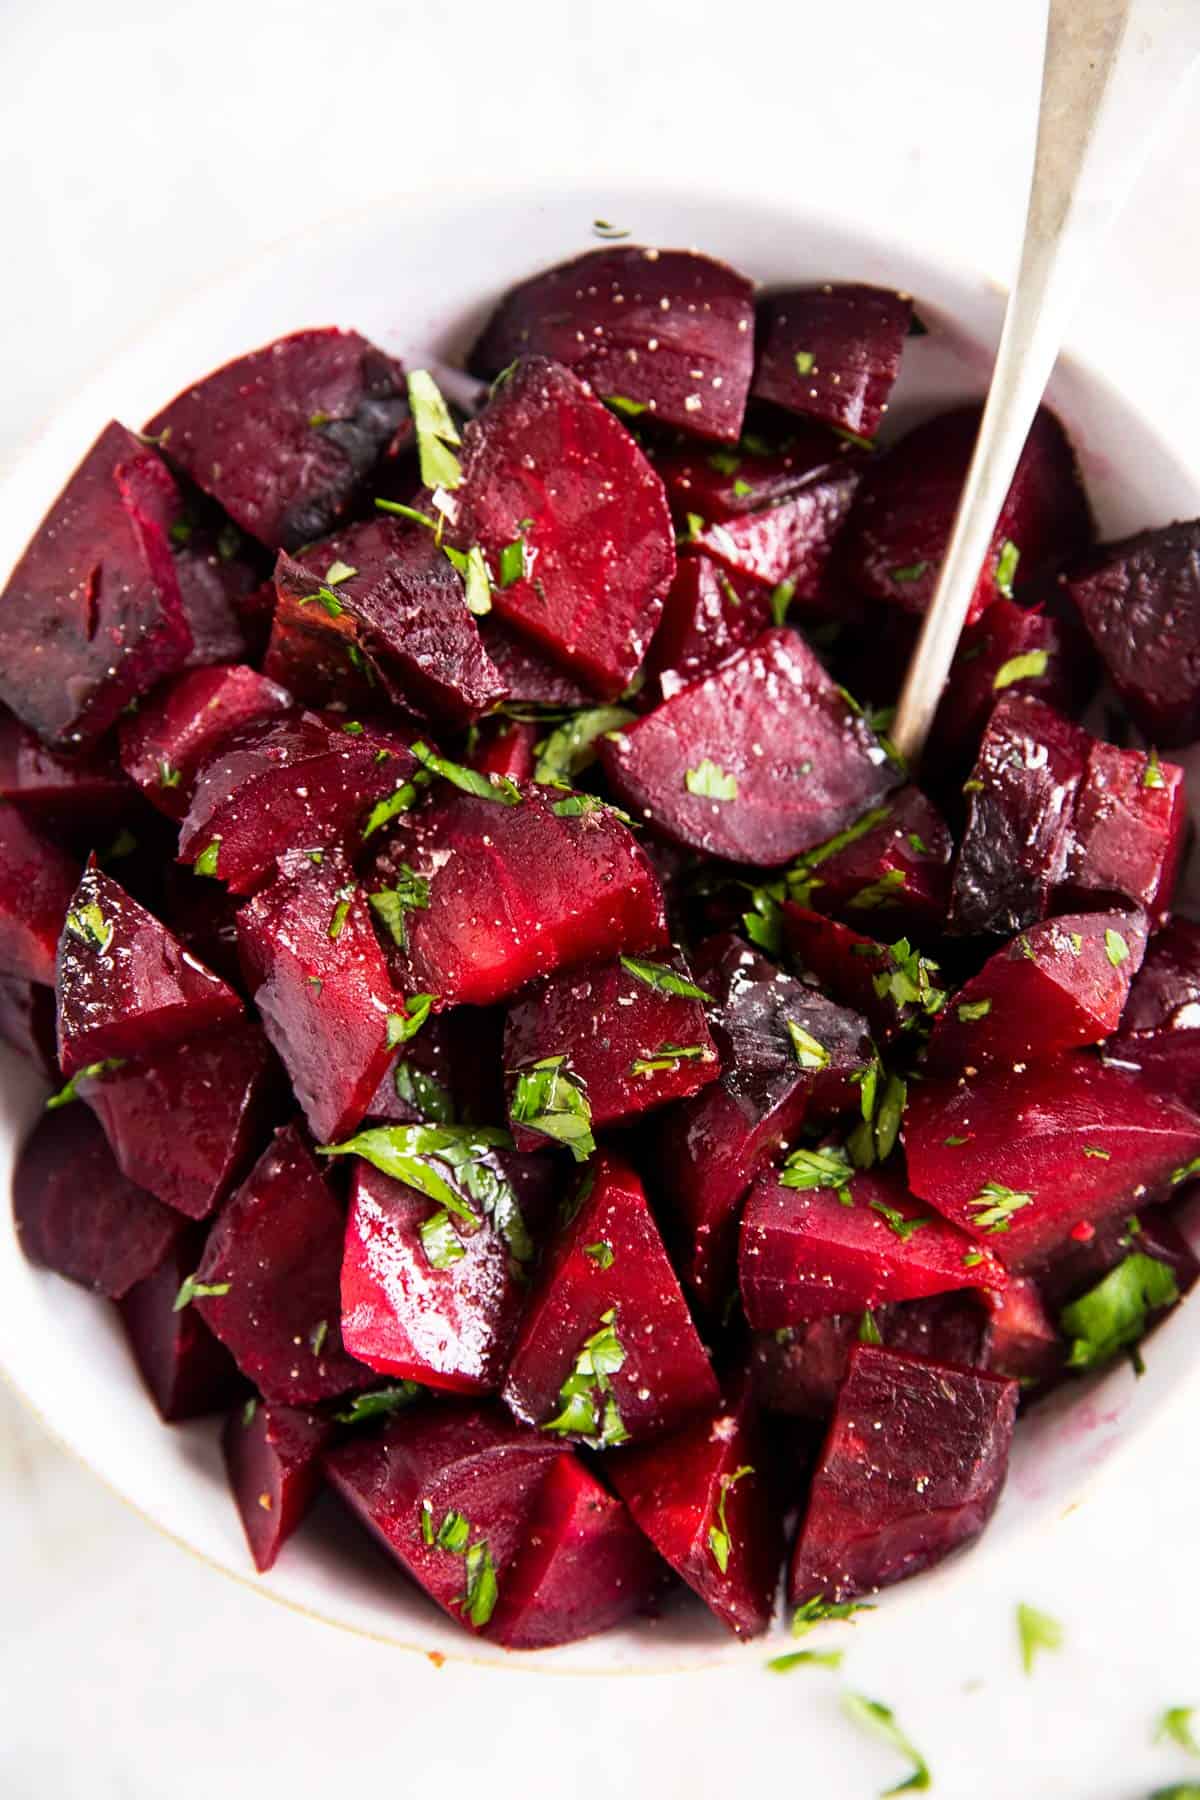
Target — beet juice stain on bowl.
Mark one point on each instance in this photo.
(604, 1085)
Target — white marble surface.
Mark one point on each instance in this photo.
(144, 146)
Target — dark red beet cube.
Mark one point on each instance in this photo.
(891, 868)
(832, 352)
(321, 986)
(27, 1022)
(80, 796)
(77, 1214)
(709, 614)
(187, 1371)
(219, 581)
(175, 732)
(528, 676)
(790, 541)
(703, 1498)
(92, 616)
(607, 1352)
(1128, 830)
(596, 544)
(37, 880)
(126, 985)
(898, 529)
(1022, 1343)
(507, 747)
(667, 333)
(285, 437)
(894, 987)
(273, 1456)
(716, 486)
(1010, 649)
(1082, 1260)
(267, 1283)
(911, 1470)
(1160, 1027)
(756, 762)
(1020, 1158)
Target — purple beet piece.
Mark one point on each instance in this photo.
(630, 1043)
(607, 1352)
(273, 1458)
(176, 732)
(321, 987)
(1087, 1255)
(92, 616)
(77, 1214)
(218, 1092)
(583, 1568)
(889, 868)
(77, 795)
(596, 544)
(1022, 1343)
(791, 541)
(451, 1493)
(218, 584)
(187, 1371)
(1128, 831)
(270, 1268)
(1058, 986)
(203, 916)
(37, 880)
(709, 614)
(1140, 601)
(1160, 1027)
(756, 762)
(1024, 650)
(897, 532)
(528, 676)
(666, 333)
(291, 783)
(126, 985)
(703, 1498)
(893, 987)
(512, 891)
(404, 606)
(507, 747)
(718, 486)
(314, 654)
(912, 1469)
(285, 438)
(1021, 1158)
(27, 1022)
(832, 352)
(713, 1145)
(805, 1253)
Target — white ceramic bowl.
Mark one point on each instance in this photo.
(418, 277)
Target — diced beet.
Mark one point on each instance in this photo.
(317, 659)
(126, 985)
(528, 676)
(1006, 640)
(92, 616)
(891, 866)
(217, 1091)
(1019, 1158)
(273, 1457)
(1058, 986)
(1022, 1342)
(203, 916)
(713, 1145)
(1128, 830)
(607, 1351)
(799, 1369)
(470, 1478)
(900, 524)
(756, 762)
(514, 891)
(719, 485)
(507, 747)
(709, 614)
(790, 541)
(78, 795)
(703, 1499)
(187, 1371)
(448, 1073)
(912, 1469)
(832, 352)
(546, 468)
(583, 1568)
(321, 987)
(1079, 1262)
(77, 1214)
(37, 880)
(219, 579)
(1160, 1028)
(285, 437)
(27, 1021)
(807, 1253)
(629, 1042)
(1140, 601)
(286, 784)
(667, 332)
(267, 1283)
(892, 986)
(174, 733)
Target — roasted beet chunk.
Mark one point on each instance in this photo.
(627, 1035)
(92, 615)
(1128, 830)
(27, 1022)
(267, 1283)
(607, 1352)
(452, 1495)
(911, 1470)
(1018, 1158)
(663, 332)
(273, 1457)
(77, 1214)
(892, 985)
(170, 738)
(890, 868)
(284, 438)
(37, 880)
(708, 615)
(321, 986)
(703, 1499)
(832, 352)
(1056, 987)
(572, 522)
(1140, 600)
(187, 1371)
(507, 747)
(1012, 648)
(756, 762)
(1160, 1027)
(77, 795)
(126, 985)
(527, 675)
(900, 523)
(1021, 1340)
(479, 896)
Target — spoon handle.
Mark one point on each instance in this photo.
(1112, 69)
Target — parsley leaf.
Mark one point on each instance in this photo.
(668, 1058)
(379, 1403)
(474, 571)
(971, 1010)
(571, 749)
(1176, 1724)
(623, 404)
(910, 572)
(797, 1659)
(910, 981)
(404, 1025)
(436, 432)
(1113, 1314)
(868, 1330)
(781, 598)
(903, 1228)
(665, 979)
(198, 1290)
(1006, 568)
(1152, 775)
(1021, 668)
(883, 892)
(482, 1592)
(819, 1611)
(1036, 1631)
(206, 862)
(808, 1051)
(469, 781)
(719, 1541)
(341, 911)
(549, 1100)
(408, 1153)
(589, 1409)
(424, 1094)
(88, 924)
(405, 796)
(1115, 948)
(876, 1717)
(996, 1205)
(805, 361)
(708, 781)
(94, 1072)
(410, 894)
(602, 1254)
(439, 1240)
(816, 1169)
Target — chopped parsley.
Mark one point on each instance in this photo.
(667, 1058)
(405, 796)
(910, 572)
(88, 924)
(249, 1410)
(549, 1100)
(404, 1025)
(725, 462)
(875, 1138)
(469, 781)
(436, 432)
(1036, 1631)
(1115, 948)
(603, 229)
(708, 781)
(995, 1205)
(798, 1659)
(482, 1592)
(868, 1330)
(407, 512)
(426, 1156)
(884, 892)
(1006, 568)
(589, 1407)
(341, 911)
(571, 748)
(805, 362)
(719, 1541)
(439, 1240)
(819, 1611)
(665, 979)
(424, 1094)
(168, 777)
(1026, 667)
(1152, 775)
(326, 598)
(206, 862)
(474, 571)
(602, 1254)
(911, 979)
(782, 596)
(903, 1228)
(808, 1051)
(317, 1336)
(94, 1072)
(876, 1717)
(805, 1169)
(410, 894)
(379, 1403)
(1095, 1150)
(1114, 1314)
(338, 572)
(198, 1290)
(623, 404)
(1176, 1723)
(971, 1010)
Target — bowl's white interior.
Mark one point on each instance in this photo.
(418, 277)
